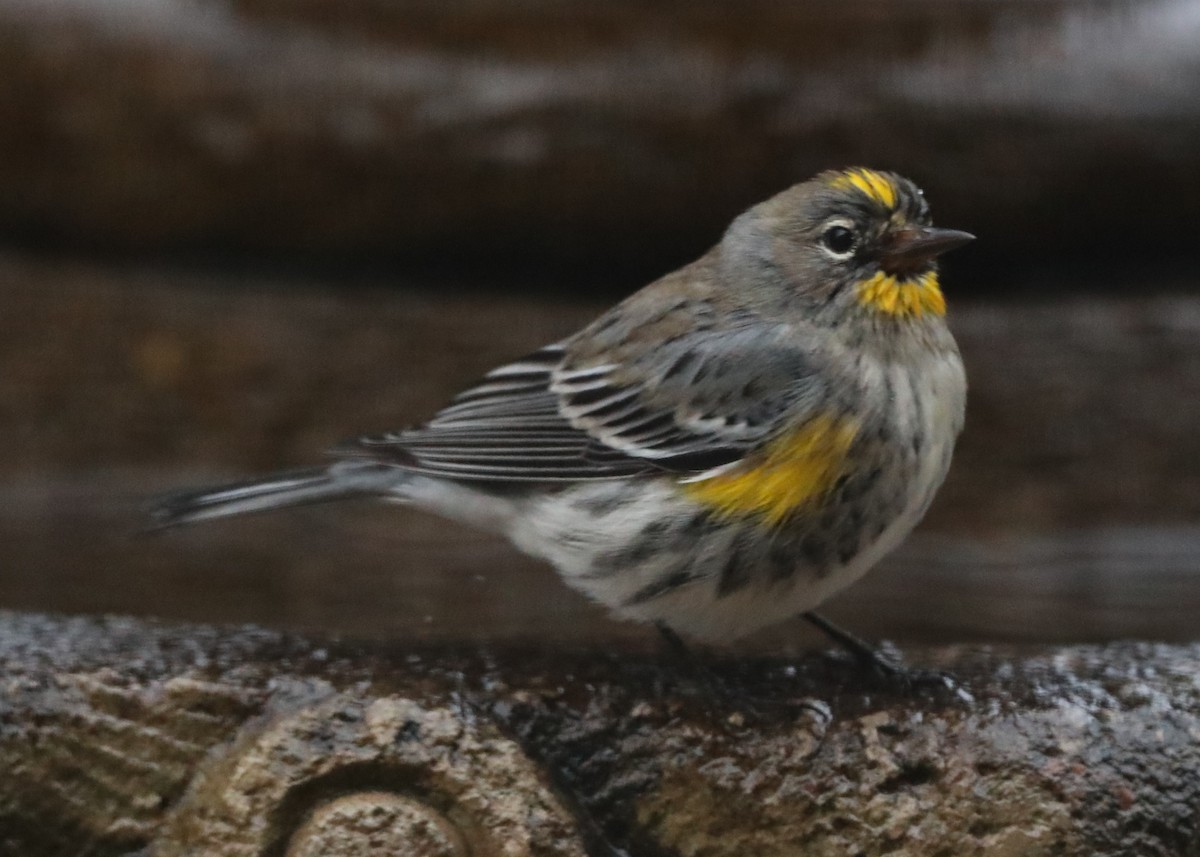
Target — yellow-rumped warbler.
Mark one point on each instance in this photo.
(722, 450)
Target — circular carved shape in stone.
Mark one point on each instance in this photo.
(357, 775)
(376, 824)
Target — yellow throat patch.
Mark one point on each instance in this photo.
(875, 186)
(794, 473)
(903, 298)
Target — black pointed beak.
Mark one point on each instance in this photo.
(911, 247)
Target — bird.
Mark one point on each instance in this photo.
(722, 450)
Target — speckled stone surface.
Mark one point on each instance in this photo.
(119, 735)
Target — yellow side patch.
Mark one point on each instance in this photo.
(876, 186)
(903, 298)
(794, 473)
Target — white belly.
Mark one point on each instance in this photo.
(698, 612)
(566, 530)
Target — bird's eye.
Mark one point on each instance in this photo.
(838, 239)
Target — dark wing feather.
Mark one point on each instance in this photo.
(508, 428)
(702, 397)
(694, 404)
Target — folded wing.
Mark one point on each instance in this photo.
(690, 406)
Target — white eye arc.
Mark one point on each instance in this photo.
(839, 238)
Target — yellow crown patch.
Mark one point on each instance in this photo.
(875, 186)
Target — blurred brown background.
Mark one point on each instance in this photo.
(234, 233)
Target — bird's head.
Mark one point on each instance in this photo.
(855, 241)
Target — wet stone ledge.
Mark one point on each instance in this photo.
(120, 737)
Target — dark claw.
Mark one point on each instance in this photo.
(907, 679)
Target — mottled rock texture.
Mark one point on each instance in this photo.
(119, 737)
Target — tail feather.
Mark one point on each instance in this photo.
(280, 490)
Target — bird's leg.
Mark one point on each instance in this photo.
(714, 687)
(675, 642)
(683, 653)
(863, 652)
(874, 659)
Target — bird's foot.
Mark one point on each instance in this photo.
(888, 667)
